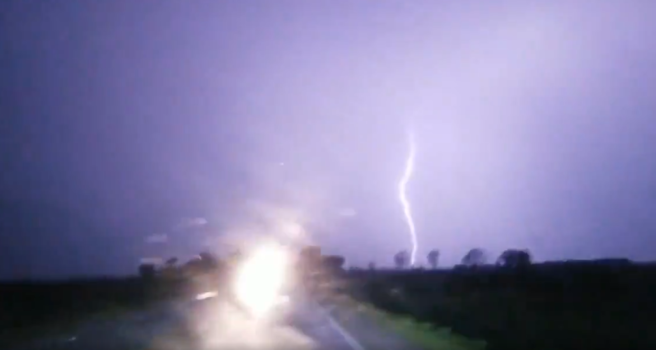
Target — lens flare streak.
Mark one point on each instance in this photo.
(409, 168)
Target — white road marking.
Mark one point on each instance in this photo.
(354, 344)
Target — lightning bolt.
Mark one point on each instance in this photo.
(409, 167)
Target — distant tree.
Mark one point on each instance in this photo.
(204, 263)
(208, 261)
(207, 256)
(170, 268)
(433, 258)
(372, 265)
(474, 257)
(334, 262)
(514, 258)
(171, 262)
(147, 271)
(192, 267)
(402, 259)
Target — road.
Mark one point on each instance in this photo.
(215, 324)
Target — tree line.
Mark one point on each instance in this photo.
(310, 261)
(205, 262)
(514, 258)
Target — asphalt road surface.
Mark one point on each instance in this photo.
(216, 324)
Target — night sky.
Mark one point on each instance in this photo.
(146, 129)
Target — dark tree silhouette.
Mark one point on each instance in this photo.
(334, 262)
(170, 268)
(433, 258)
(401, 259)
(372, 265)
(147, 271)
(207, 256)
(474, 257)
(192, 267)
(208, 263)
(171, 262)
(514, 258)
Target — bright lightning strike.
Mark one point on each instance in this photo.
(409, 167)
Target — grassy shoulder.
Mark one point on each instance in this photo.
(65, 326)
(44, 311)
(423, 335)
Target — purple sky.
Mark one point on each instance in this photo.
(136, 129)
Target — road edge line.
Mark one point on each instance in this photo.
(352, 342)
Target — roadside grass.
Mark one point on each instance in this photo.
(36, 310)
(64, 327)
(24, 335)
(424, 335)
(429, 337)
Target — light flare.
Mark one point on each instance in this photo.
(409, 168)
(206, 295)
(261, 279)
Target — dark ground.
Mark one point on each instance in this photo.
(32, 307)
(577, 305)
(172, 320)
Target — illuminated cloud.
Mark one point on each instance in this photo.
(157, 238)
(188, 223)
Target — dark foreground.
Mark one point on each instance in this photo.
(216, 324)
(569, 305)
(547, 306)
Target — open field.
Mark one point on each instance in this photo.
(43, 308)
(550, 306)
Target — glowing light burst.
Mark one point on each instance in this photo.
(409, 168)
(261, 278)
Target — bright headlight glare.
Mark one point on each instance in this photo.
(261, 278)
